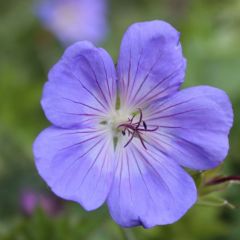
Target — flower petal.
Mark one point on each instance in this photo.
(74, 20)
(81, 87)
(149, 189)
(76, 164)
(193, 126)
(151, 65)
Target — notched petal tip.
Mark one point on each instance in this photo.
(150, 63)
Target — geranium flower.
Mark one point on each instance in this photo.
(74, 20)
(30, 200)
(123, 136)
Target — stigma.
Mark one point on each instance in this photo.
(127, 124)
(135, 128)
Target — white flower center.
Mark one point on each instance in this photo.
(127, 125)
(115, 118)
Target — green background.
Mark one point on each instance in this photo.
(211, 43)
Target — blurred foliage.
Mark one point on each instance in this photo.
(210, 35)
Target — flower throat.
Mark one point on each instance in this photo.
(135, 128)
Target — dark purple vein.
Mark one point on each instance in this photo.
(146, 77)
(96, 79)
(79, 143)
(91, 166)
(172, 115)
(154, 170)
(84, 87)
(83, 104)
(170, 76)
(106, 78)
(136, 73)
(141, 174)
(76, 160)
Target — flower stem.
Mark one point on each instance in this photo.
(127, 234)
(219, 180)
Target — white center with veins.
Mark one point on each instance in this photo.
(128, 124)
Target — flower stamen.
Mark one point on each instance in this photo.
(134, 129)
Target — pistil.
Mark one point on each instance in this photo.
(135, 129)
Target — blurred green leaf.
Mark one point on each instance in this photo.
(212, 200)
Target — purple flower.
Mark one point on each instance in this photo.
(123, 136)
(31, 200)
(28, 202)
(74, 20)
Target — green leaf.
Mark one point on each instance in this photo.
(215, 201)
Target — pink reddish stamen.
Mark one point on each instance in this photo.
(134, 129)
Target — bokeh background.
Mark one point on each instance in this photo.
(211, 43)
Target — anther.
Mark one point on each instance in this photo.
(144, 125)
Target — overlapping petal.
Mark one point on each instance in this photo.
(81, 87)
(76, 164)
(193, 127)
(151, 65)
(149, 189)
